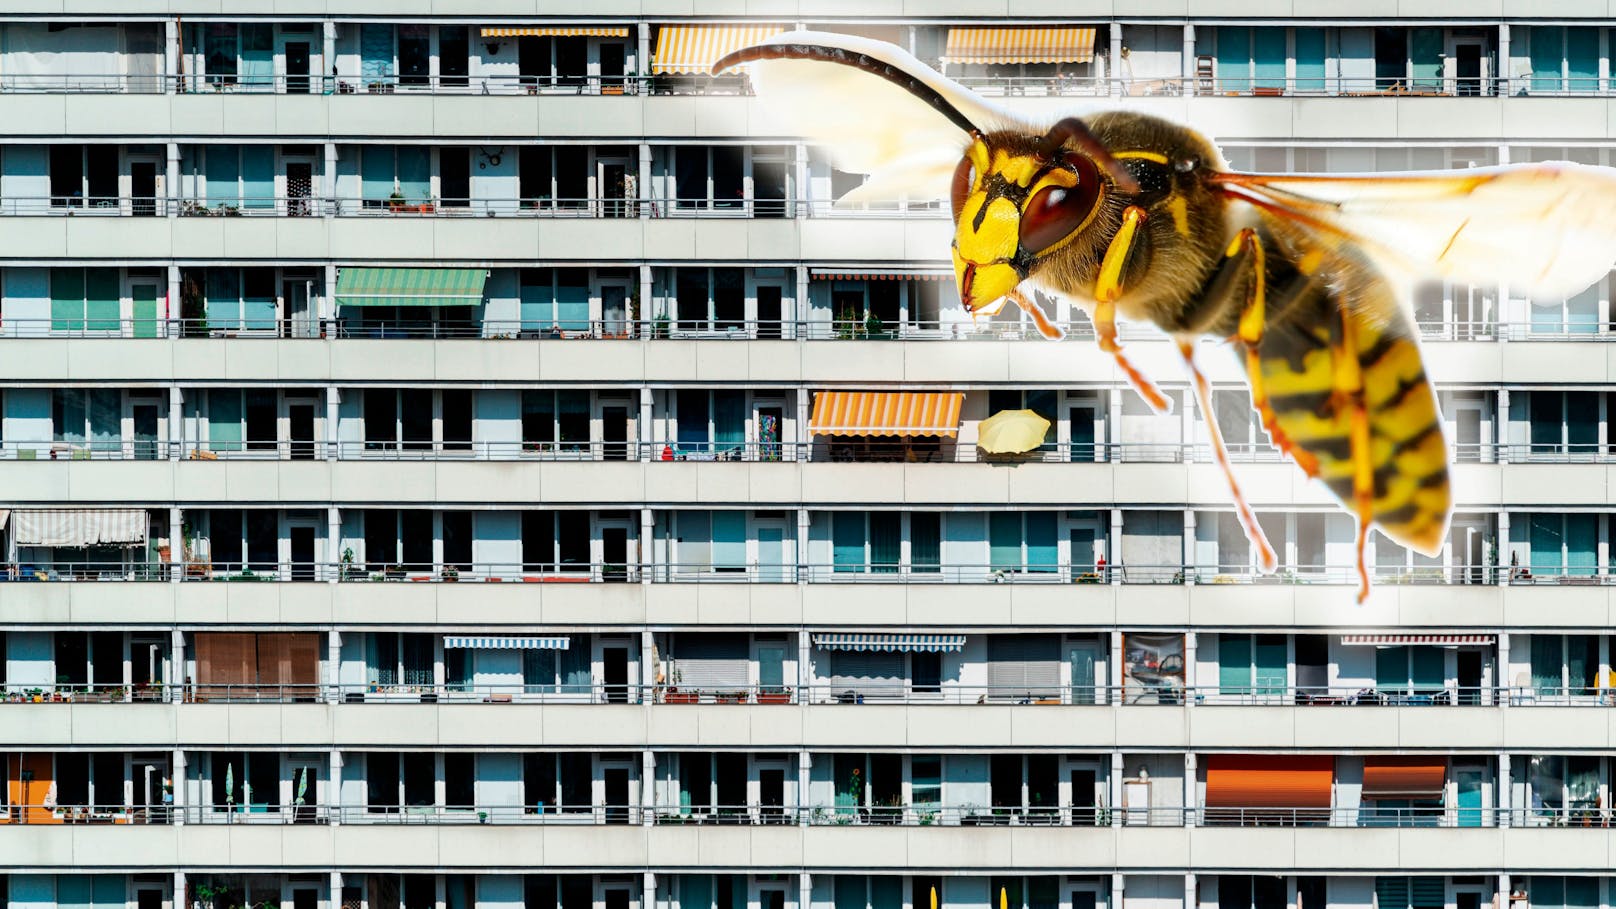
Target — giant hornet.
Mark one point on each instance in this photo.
(1130, 215)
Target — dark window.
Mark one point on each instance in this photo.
(72, 778)
(67, 175)
(459, 775)
(454, 55)
(101, 164)
(539, 891)
(418, 779)
(533, 175)
(261, 424)
(538, 541)
(1391, 58)
(457, 539)
(225, 543)
(415, 534)
(729, 298)
(415, 418)
(539, 782)
(573, 535)
(381, 417)
(457, 417)
(381, 781)
(454, 177)
(108, 776)
(226, 767)
(927, 670)
(263, 552)
(414, 54)
(728, 177)
(576, 780)
(381, 537)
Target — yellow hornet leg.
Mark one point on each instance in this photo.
(1248, 520)
(1048, 329)
(1347, 380)
(1107, 288)
(1250, 333)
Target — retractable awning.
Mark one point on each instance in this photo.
(79, 527)
(1394, 640)
(886, 413)
(553, 31)
(461, 642)
(1404, 776)
(902, 643)
(1269, 780)
(1019, 45)
(695, 48)
(885, 274)
(410, 286)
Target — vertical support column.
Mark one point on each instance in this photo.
(642, 49)
(1191, 640)
(649, 450)
(439, 884)
(334, 790)
(1113, 62)
(1119, 885)
(1501, 426)
(328, 302)
(1192, 800)
(798, 327)
(180, 901)
(171, 302)
(805, 890)
(647, 548)
(1501, 78)
(170, 196)
(1114, 547)
(1113, 424)
(1507, 695)
(334, 549)
(1189, 546)
(171, 66)
(647, 317)
(800, 178)
(176, 425)
(805, 673)
(642, 188)
(333, 664)
(1503, 571)
(805, 768)
(1113, 669)
(1504, 793)
(1189, 891)
(176, 545)
(335, 896)
(802, 546)
(328, 62)
(1188, 67)
(333, 421)
(648, 795)
(176, 776)
(648, 886)
(1503, 889)
(328, 180)
(177, 674)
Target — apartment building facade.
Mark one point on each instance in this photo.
(456, 456)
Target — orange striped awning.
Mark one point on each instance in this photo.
(695, 48)
(1269, 780)
(556, 31)
(833, 275)
(1394, 640)
(886, 413)
(1402, 776)
(1019, 45)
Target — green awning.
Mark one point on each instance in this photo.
(410, 286)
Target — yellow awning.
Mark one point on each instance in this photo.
(558, 31)
(695, 48)
(1019, 45)
(885, 413)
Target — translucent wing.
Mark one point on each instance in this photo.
(879, 110)
(1542, 229)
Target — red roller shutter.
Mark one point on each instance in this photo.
(1404, 776)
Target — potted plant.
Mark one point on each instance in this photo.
(774, 696)
(347, 571)
(395, 202)
(659, 326)
(449, 573)
(394, 572)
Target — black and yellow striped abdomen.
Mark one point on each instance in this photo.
(1304, 333)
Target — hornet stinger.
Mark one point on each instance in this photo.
(1125, 214)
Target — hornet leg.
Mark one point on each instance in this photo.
(1203, 395)
(1106, 291)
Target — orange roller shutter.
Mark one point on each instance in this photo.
(1269, 780)
(1404, 776)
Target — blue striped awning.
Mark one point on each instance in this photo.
(909, 643)
(452, 642)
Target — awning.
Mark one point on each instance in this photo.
(695, 48)
(1404, 776)
(1019, 45)
(1393, 640)
(452, 642)
(886, 413)
(1269, 780)
(907, 643)
(79, 527)
(410, 286)
(886, 274)
(559, 31)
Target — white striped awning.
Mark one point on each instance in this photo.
(78, 527)
(461, 642)
(1392, 640)
(695, 48)
(556, 31)
(1035, 44)
(906, 643)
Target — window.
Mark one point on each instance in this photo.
(1565, 664)
(709, 299)
(85, 299)
(866, 541)
(1561, 422)
(926, 672)
(710, 421)
(555, 541)
(1410, 893)
(711, 541)
(1041, 402)
(709, 177)
(555, 420)
(858, 891)
(454, 56)
(90, 417)
(1546, 892)
(1564, 59)
(84, 175)
(555, 299)
(237, 299)
(1418, 669)
(1022, 541)
(459, 779)
(926, 781)
(1252, 664)
(1557, 543)
(1251, 58)
(414, 54)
